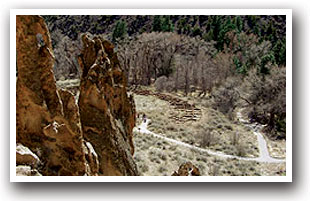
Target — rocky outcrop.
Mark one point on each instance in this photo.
(71, 110)
(187, 169)
(24, 170)
(72, 114)
(25, 156)
(58, 135)
(107, 112)
(92, 162)
(44, 124)
(27, 163)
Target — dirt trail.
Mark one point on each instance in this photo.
(264, 154)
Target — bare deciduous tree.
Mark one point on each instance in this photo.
(266, 99)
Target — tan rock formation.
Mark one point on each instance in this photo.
(92, 161)
(24, 170)
(71, 110)
(41, 117)
(25, 156)
(93, 137)
(107, 112)
(187, 169)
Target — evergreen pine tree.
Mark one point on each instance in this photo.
(157, 23)
(119, 31)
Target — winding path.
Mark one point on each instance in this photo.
(264, 154)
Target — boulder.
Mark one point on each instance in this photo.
(24, 156)
(187, 169)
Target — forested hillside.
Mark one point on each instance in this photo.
(243, 36)
(271, 28)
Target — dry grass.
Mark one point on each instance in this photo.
(213, 130)
(273, 169)
(226, 136)
(157, 157)
(277, 149)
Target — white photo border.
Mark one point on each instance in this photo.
(289, 165)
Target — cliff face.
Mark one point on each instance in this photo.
(40, 121)
(48, 120)
(107, 112)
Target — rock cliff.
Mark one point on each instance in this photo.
(41, 121)
(93, 137)
(107, 112)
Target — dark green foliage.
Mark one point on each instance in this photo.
(240, 68)
(167, 25)
(162, 24)
(223, 29)
(281, 125)
(280, 52)
(265, 59)
(158, 23)
(208, 36)
(138, 25)
(196, 31)
(202, 20)
(238, 23)
(181, 25)
(214, 24)
(252, 21)
(119, 31)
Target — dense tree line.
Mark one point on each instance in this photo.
(184, 61)
(209, 28)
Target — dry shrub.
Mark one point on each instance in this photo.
(235, 138)
(241, 151)
(213, 169)
(160, 83)
(207, 137)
